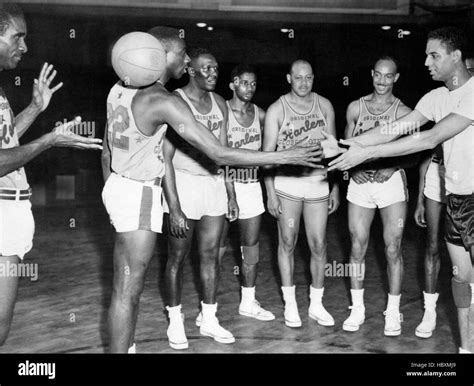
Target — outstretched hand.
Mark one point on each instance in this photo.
(42, 92)
(330, 145)
(355, 155)
(64, 136)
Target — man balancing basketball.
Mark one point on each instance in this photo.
(16, 219)
(198, 195)
(133, 168)
(451, 108)
(299, 117)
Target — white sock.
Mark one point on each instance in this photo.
(316, 294)
(248, 294)
(174, 313)
(357, 296)
(394, 301)
(289, 294)
(208, 310)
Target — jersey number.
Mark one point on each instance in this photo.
(119, 120)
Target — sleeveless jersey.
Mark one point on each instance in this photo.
(367, 121)
(9, 139)
(303, 129)
(133, 154)
(241, 137)
(187, 158)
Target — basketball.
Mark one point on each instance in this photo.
(138, 59)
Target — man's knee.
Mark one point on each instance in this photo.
(250, 255)
(318, 248)
(358, 245)
(393, 249)
(288, 242)
(462, 293)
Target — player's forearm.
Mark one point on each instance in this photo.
(16, 157)
(403, 146)
(229, 187)
(421, 179)
(244, 157)
(105, 161)
(24, 119)
(169, 187)
(386, 132)
(269, 180)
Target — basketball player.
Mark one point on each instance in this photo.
(299, 117)
(430, 205)
(379, 185)
(451, 108)
(429, 210)
(16, 218)
(244, 131)
(133, 168)
(199, 195)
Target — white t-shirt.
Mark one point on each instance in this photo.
(458, 151)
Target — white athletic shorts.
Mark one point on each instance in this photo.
(434, 182)
(200, 195)
(249, 198)
(17, 228)
(311, 189)
(375, 194)
(133, 205)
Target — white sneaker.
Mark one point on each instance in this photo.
(317, 312)
(132, 349)
(292, 317)
(428, 324)
(393, 325)
(210, 327)
(176, 335)
(355, 319)
(253, 309)
(199, 319)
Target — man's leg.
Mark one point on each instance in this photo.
(249, 237)
(223, 242)
(433, 210)
(209, 231)
(178, 251)
(360, 220)
(462, 282)
(8, 291)
(315, 219)
(393, 220)
(132, 253)
(288, 228)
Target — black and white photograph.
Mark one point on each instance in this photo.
(231, 177)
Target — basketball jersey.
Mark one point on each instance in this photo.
(367, 121)
(241, 137)
(9, 139)
(187, 158)
(133, 154)
(300, 129)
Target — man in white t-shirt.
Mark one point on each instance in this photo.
(451, 107)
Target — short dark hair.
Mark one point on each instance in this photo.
(391, 58)
(197, 52)
(166, 35)
(451, 37)
(8, 11)
(241, 69)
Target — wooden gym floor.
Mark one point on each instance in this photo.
(64, 311)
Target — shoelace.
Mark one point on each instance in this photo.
(399, 315)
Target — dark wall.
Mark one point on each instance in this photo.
(79, 48)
